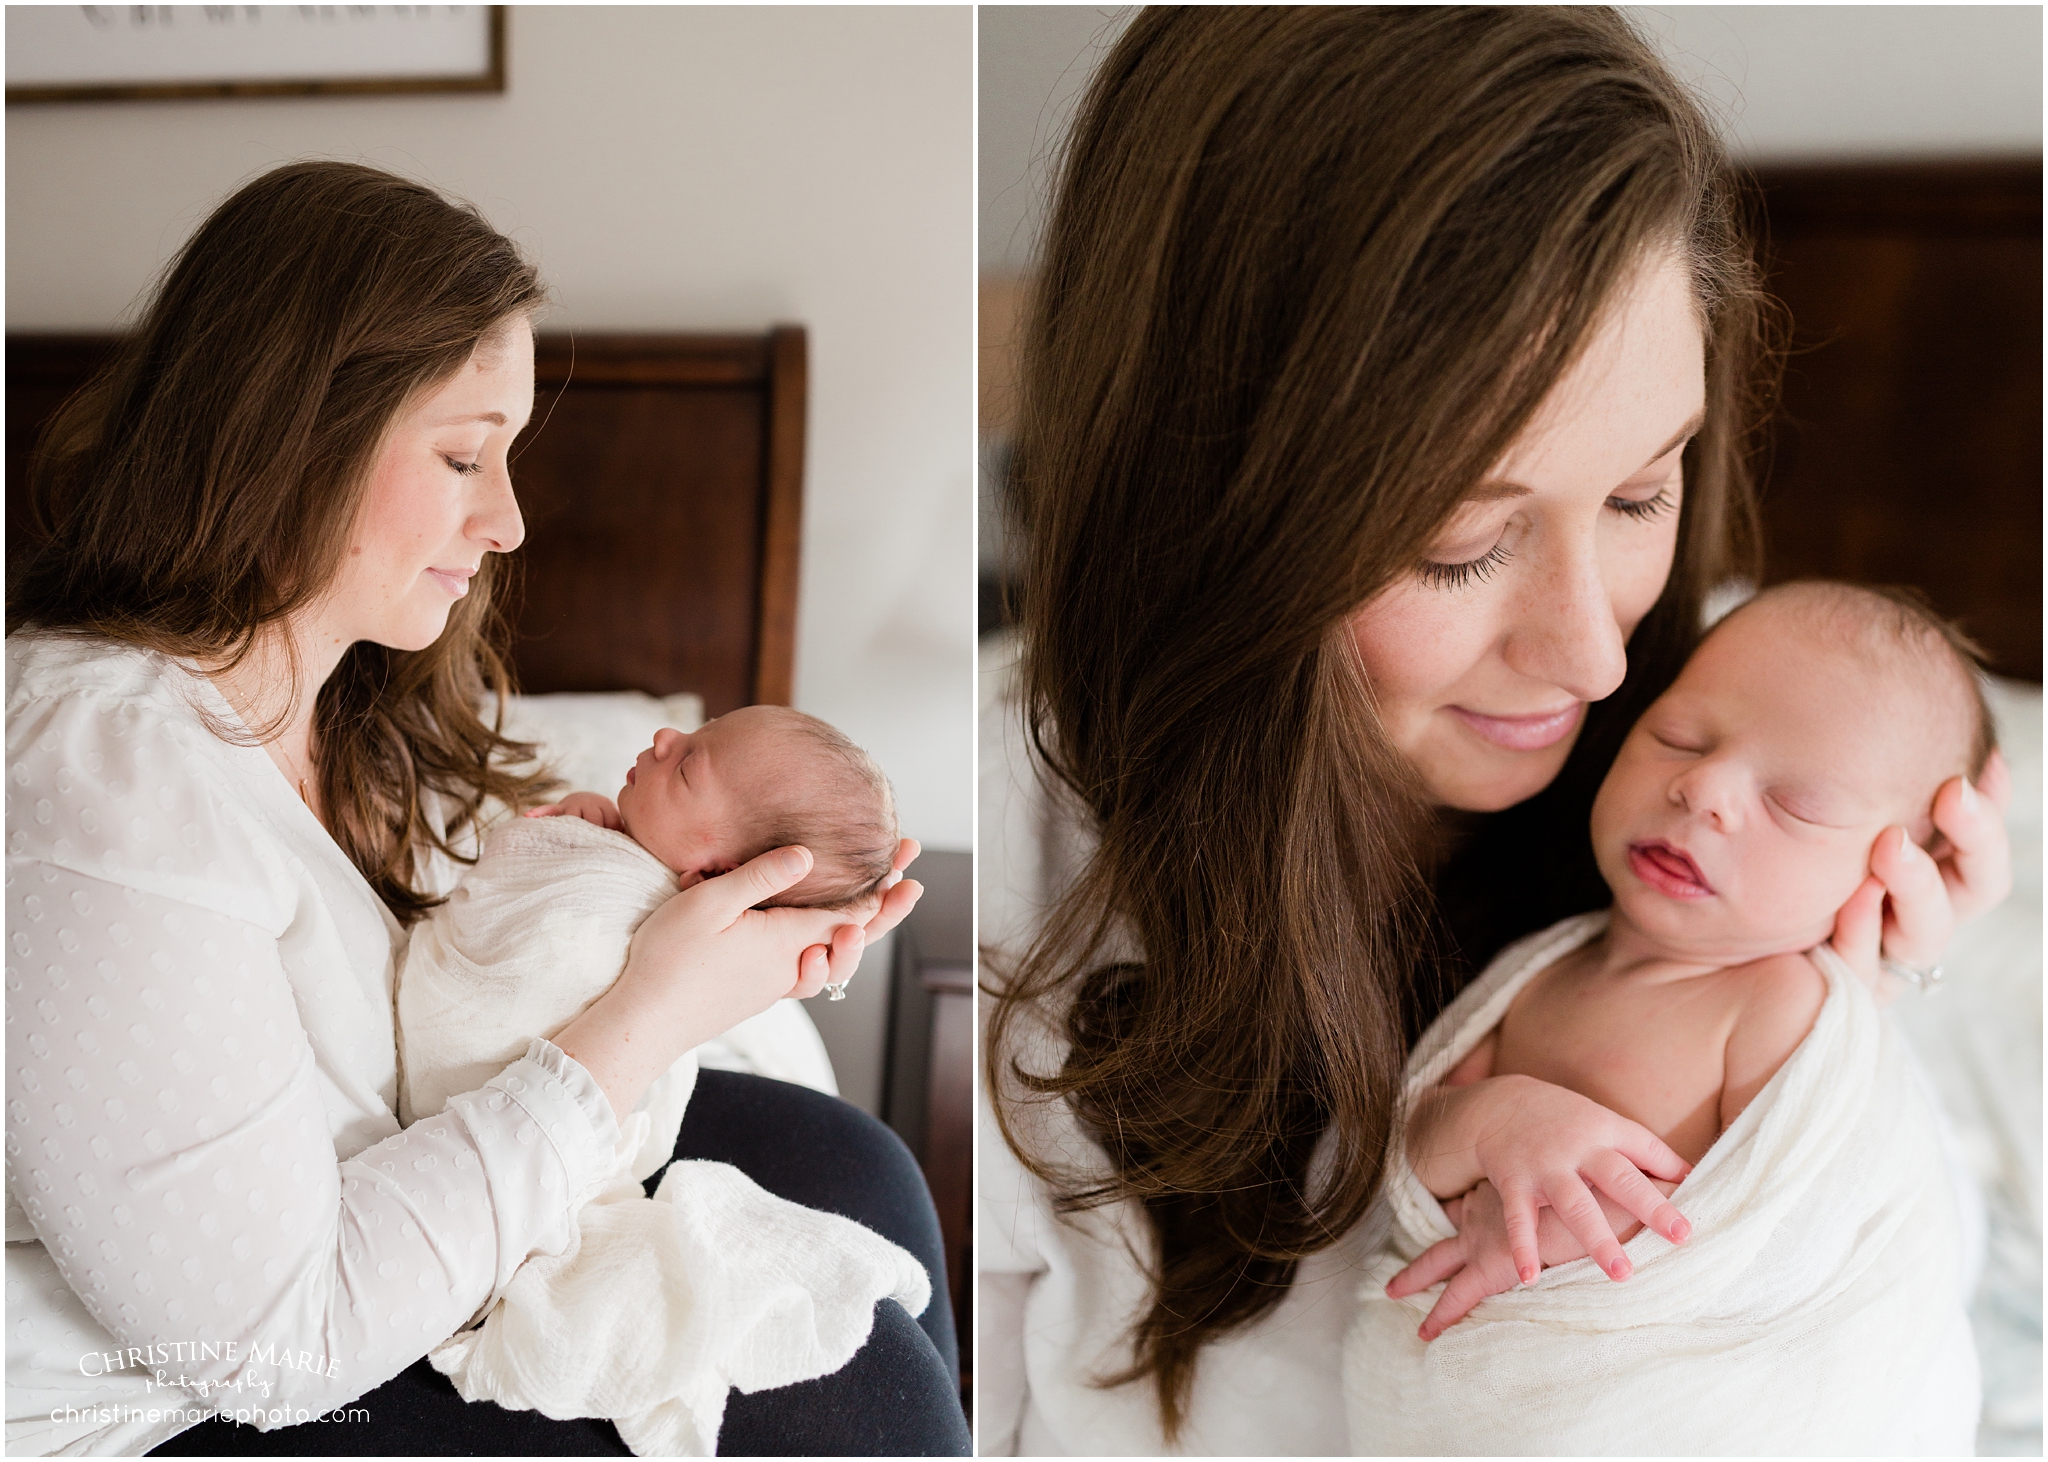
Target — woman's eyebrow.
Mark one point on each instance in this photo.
(495, 418)
(1683, 435)
(1487, 492)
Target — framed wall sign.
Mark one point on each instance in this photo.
(144, 52)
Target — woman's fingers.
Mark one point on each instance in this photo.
(848, 940)
(896, 903)
(1977, 868)
(753, 882)
(1580, 1212)
(1435, 1264)
(813, 972)
(1622, 1181)
(1859, 928)
(1995, 781)
(1921, 918)
(906, 853)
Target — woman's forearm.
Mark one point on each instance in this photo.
(625, 1040)
(699, 965)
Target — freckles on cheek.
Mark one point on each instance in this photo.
(1412, 643)
(1641, 582)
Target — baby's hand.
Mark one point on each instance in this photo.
(1479, 1263)
(1546, 1147)
(590, 806)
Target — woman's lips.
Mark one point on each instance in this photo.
(455, 581)
(1668, 870)
(1523, 733)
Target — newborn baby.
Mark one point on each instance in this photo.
(657, 1307)
(539, 928)
(758, 778)
(1816, 1302)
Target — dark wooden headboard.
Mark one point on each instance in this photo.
(662, 485)
(1907, 449)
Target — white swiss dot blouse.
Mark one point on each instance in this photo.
(210, 1203)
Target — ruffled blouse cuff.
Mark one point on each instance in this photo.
(566, 1103)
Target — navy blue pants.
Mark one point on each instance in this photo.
(898, 1397)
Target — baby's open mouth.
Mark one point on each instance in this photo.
(1668, 870)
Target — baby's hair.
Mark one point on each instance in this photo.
(1902, 617)
(847, 820)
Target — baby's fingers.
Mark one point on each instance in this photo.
(1650, 1152)
(1580, 1211)
(1467, 1288)
(1518, 1216)
(1619, 1179)
(1436, 1263)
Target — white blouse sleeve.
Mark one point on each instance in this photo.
(184, 1207)
(167, 1141)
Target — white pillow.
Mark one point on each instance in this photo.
(590, 739)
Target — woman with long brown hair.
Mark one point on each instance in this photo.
(255, 681)
(1384, 417)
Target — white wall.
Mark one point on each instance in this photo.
(1786, 81)
(668, 168)
(1836, 81)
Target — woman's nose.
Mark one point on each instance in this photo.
(495, 520)
(1567, 633)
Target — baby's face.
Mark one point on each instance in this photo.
(686, 796)
(1740, 814)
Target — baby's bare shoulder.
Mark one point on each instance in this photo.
(1778, 1000)
(1778, 982)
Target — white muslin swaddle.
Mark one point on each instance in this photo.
(1817, 1308)
(659, 1306)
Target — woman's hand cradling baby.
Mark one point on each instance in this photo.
(835, 963)
(708, 959)
(1909, 906)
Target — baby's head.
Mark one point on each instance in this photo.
(764, 777)
(1740, 813)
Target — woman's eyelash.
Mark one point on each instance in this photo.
(467, 469)
(1647, 508)
(1458, 575)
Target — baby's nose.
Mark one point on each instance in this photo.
(666, 741)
